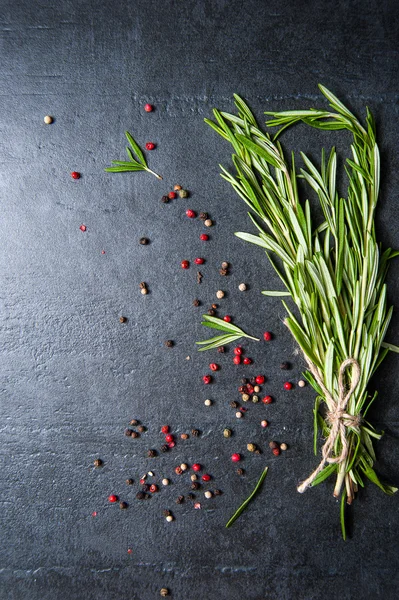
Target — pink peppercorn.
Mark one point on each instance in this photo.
(247, 361)
(204, 237)
(171, 444)
(169, 438)
(112, 498)
(75, 175)
(238, 350)
(172, 195)
(196, 467)
(260, 379)
(83, 228)
(150, 146)
(191, 214)
(227, 318)
(276, 451)
(199, 261)
(250, 388)
(288, 385)
(165, 429)
(148, 107)
(214, 367)
(185, 264)
(236, 457)
(207, 379)
(237, 359)
(267, 336)
(206, 477)
(267, 400)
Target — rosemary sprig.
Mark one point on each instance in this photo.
(334, 272)
(248, 500)
(232, 333)
(136, 162)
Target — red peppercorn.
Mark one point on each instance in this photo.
(267, 336)
(185, 264)
(238, 350)
(260, 379)
(165, 429)
(214, 367)
(172, 195)
(112, 498)
(199, 261)
(247, 361)
(171, 444)
(153, 488)
(267, 400)
(178, 470)
(196, 467)
(83, 228)
(288, 385)
(236, 457)
(148, 107)
(204, 237)
(150, 146)
(207, 379)
(237, 359)
(142, 481)
(191, 214)
(169, 438)
(206, 477)
(276, 451)
(75, 175)
(227, 318)
(250, 388)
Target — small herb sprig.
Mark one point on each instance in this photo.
(136, 162)
(232, 333)
(248, 500)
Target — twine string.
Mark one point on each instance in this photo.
(337, 417)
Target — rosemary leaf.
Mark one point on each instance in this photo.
(248, 500)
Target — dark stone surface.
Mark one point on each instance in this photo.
(72, 376)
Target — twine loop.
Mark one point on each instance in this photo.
(337, 417)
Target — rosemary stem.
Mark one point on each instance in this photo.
(156, 174)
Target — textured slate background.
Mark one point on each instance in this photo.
(72, 376)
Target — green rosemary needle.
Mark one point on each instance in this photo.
(248, 500)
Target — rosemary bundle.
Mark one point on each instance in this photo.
(333, 271)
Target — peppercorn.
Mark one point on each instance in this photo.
(223, 272)
(211, 312)
(184, 467)
(234, 404)
(236, 457)
(208, 402)
(170, 518)
(140, 495)
(283, 446)
(245, 397)
(179, 499)
(242, 287)
(249, 388)
(285, 366)
(165, 481)
(165, 199)
(244, 379)
(134, 434)
(183, 193)
(195, 485)
(144, 291)
(129, 481)
(240, 471)
(169, 437)
(184, 436)
(177, 187)
(112, 498)
(276, 451)
(178, 470)
(164, 448)
(164, 592)
(98, 462)
(122, 319)
(190, 496)
(144, 241)
(260, 379)
(169, 343)
(301, 383)
(288, 385)
(190, 213)
(166, 513)
(128, 432)
(203, 216)
(251, 447)
(207, 379)
(75, 175)
(220, 294)
(273, 445)
(123, 505)
(264, 423)
(267, 400)
(227, 432)
(227, 318)
(206, 477)
(204, 237)
(141, 428)
(239, 415)
(255, 399)
(221, 349)
(214, 367)
(150, 146)
(208, 223)
(247, 361)
(48, 120)
(215, 306)
(172, 195)
(142, 285)
(256, 389)
(196, 302)
(152, 453)
(146, 487)
(195, 432)
(237, 359)
(148, 107)
(134, 422)
(185, 264)
(267, 336)
(153, 488)
(208, 494)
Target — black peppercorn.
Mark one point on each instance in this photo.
(211, 312)
(142, 285)
(195, 485)
(129, 481)
(234, 404)
(285, 366)
(221, 349)
(166, 513)
(223, 272)
(144, 241)
(128, 432)
(164, 448)
(240, 471)
(169, 343)
(140, 495)
(244, 380)
(141, 428)
(217, 492)
(123, 505)
(165, 199)
(134, 422)
(191, 496)
(179, 499)
(203, 216)
(215, 306)
(122, 319)
(134, 434)
(196, 302)
(152, 453)
(273, 445)
(195, 432)
(98, 462)
(146, 487)
(252, 381)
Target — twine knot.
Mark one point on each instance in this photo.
(337, 417)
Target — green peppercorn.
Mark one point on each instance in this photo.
(227, 432)
(183, 193)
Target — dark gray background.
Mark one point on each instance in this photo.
(72, 376)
